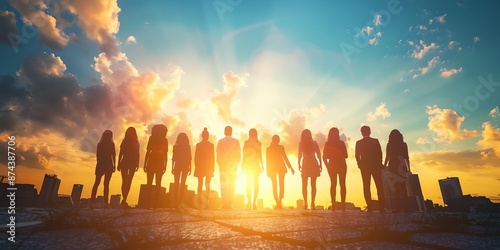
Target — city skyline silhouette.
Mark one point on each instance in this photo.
(71, 71)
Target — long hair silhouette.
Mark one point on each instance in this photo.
(306, 141)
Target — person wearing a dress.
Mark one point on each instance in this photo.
(128, 161)
(106, 164)
(309, 164)
(398, 162)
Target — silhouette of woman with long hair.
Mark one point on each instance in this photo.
(398, 161)
(277, 163)
(155, 162)
(106, 163)
(181, 165)
(252, 166)
(334, 155)
(128, 161)
(309, 164)
(204, 161)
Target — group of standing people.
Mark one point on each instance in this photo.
(368, 156)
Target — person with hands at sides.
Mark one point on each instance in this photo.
(309, 164)
(334, 155)
(252, 166)
(277, 163)
(128, 161)
(155, 162)
(181, 166)
(106, 165)
(398, 163)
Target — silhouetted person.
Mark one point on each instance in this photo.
(228, 158)
(309, 164)
(106, 163)
(397, 159)
(204, 160)
(334, 155)
(369, 158)
(252, 165)
(128, 161)
(277, 163)
(181, 165)
(155, 162)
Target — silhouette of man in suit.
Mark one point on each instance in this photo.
(228, 158)
(369, 158)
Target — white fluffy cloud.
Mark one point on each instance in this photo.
(224, 100)
(381, 111)
(430, 66)
(446, 123)
(491, 138)
(377, 20)
(421, 50)
(130, 40)
(35, 12)
(495, 112)
(446, 73)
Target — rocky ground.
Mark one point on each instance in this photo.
(247, 229)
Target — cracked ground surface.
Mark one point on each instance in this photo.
(246, 229)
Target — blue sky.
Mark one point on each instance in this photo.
(280, 66)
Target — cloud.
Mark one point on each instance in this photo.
(439, 19)
(374, 41)
(7, 26)
(99, 21)
(446, 73)
(368, 31)
(495, 112)
(430, 66)
(377, 20)
(177, 123)
(188, 103)
(224, 100)
(37, 156)
(291, 128)
(421, 27)
(380, 111)
(35, 12)
(422, 49)
(465, 161)
(114, 70)
(12, 98)
(422, 141)
(130, 40)
(446, 124)
(476, 39)
(490, 138)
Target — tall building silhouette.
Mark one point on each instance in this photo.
(415, 195)
(76, 194)
(300, 204)
(50, 188)
(450, 189)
